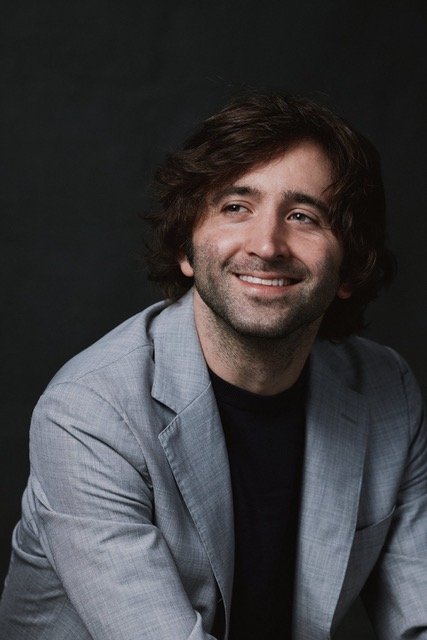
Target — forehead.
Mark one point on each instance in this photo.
(304, 167)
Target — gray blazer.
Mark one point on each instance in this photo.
(127, 519)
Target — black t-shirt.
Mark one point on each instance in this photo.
(265, 443)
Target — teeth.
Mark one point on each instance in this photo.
(275, 282)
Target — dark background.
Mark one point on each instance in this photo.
(96, 92)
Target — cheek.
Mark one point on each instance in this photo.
(323, 260)
(217, 243)
(313, 252)
(331, 251)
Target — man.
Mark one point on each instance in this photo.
(230, 463)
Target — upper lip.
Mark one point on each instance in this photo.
(267, 275)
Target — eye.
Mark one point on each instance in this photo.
(304, 218)
(233, 207)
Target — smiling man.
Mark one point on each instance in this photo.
(234, 462)
(266, 266)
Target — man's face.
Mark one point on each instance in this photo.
(265, 260)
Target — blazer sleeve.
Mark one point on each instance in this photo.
(93, 509)
(396, 593)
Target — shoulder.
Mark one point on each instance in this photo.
(106, 387)
(124, 346)
(378, 374)
(105, 396)
(122, 367)
(121, 364)
(361, 361)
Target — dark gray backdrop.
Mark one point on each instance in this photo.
(95, 94)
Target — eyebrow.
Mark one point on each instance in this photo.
(234, 190)
(298, 197)
(304, 198)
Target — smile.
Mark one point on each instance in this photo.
(269, 282)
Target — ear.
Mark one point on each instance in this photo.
(185, 265)
(344, 291)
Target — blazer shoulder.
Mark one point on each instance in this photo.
(124, 347)
(365, 363)
(382, 379)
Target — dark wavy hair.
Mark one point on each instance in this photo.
(255, 128)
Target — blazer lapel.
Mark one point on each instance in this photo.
(336, 435)
(193, 441)
(196, 451)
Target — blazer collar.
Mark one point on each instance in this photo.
(180, 373)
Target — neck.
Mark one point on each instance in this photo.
(265, 366)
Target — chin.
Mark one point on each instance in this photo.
(264, 332)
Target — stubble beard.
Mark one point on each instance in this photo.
(297, 315)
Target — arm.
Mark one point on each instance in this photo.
(94, 514)
(396, 593)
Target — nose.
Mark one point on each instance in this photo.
(267, 236)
